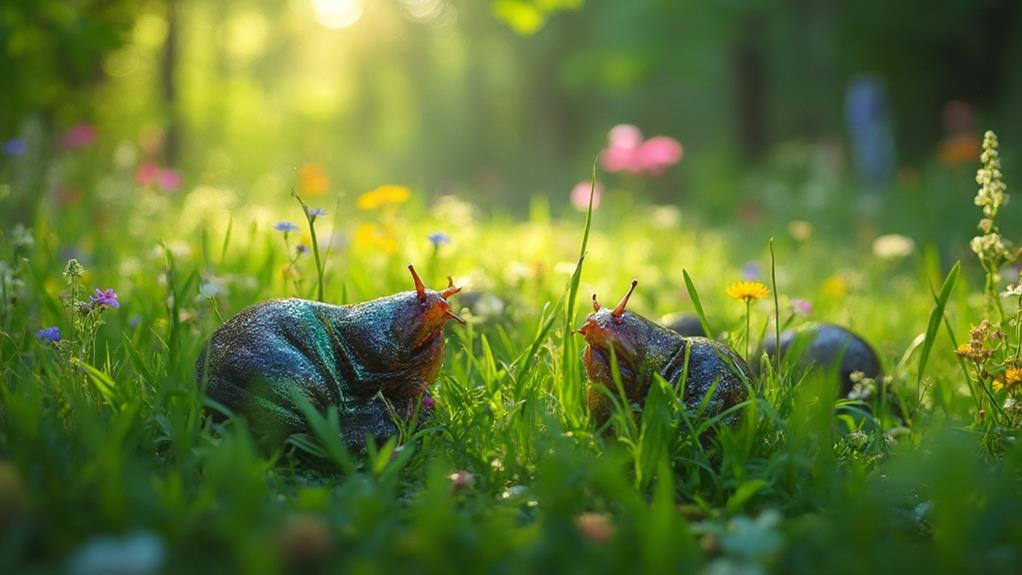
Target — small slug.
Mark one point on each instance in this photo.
(356, 357)
(643, 348)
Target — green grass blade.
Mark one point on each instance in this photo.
(694, 296)
(935, 316)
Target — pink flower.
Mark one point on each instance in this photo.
(169, 179)
(147, 174)
(801, 307)
(659, 153)
(624, 136)
(580, 195)
(80, 136)
(627, 152)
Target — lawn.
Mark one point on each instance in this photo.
(111, 461)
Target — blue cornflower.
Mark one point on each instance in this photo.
(285, 227)
(316, 212)
(751, 271)
(302, 249)
(105, 298)
(48, 335)
(15, 147)
(438, 239)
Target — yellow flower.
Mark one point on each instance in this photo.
(371, 237)
(834, 287)
(312, 180)
(1009, 380)
(384, 195)
(748, 291)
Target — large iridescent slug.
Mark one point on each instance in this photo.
(643, 348)
(356, 357)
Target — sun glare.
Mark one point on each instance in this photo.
(337, 13)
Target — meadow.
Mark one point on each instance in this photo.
(111, 463)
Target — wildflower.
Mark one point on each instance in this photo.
(958, 150)
(382, 196)
(462, 480)
(858, 439)
(990, 247)
(315, 213)
(801, 230)
(514, 491)
(580, 195)
(168, 179)
(48, 335)
(438, 239)
(863, 389)
(659, 153)
(73, 271)
(627, 152)
(21, 237)
(893, 246)
(301, 249)
(834, 287)
(666, 217)
(105, 298)
(15, 147)
(978, 348)
(138, 553)
(747, 290)
(285, 227)
(79, 136)
(1013, 407)
(751, 271)
(1009, 380)
(801, 306)
(312, 180)
(1013, 290)
(596, 527)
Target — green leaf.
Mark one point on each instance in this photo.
(935, 316)
(694, 296)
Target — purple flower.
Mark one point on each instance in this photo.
(438, 239)
(285, 227)
(15, 147)
(801, 306)
(48, 335)
(751, 271)
(316, 212)
(302, 249)
(105, 298)
(80, 136)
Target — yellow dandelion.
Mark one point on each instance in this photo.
(834, 287)
(747, 291)
(382, 196)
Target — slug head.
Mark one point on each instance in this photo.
(614, 329)
(421, 315)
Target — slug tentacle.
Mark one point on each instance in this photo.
(620, 309)
(450, 290)
(420, 288)
(596, 304)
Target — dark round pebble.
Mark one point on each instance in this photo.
(828, 344)
(686, 324)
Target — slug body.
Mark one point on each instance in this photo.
(644, 349)
(356, 357)
(821, 346)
